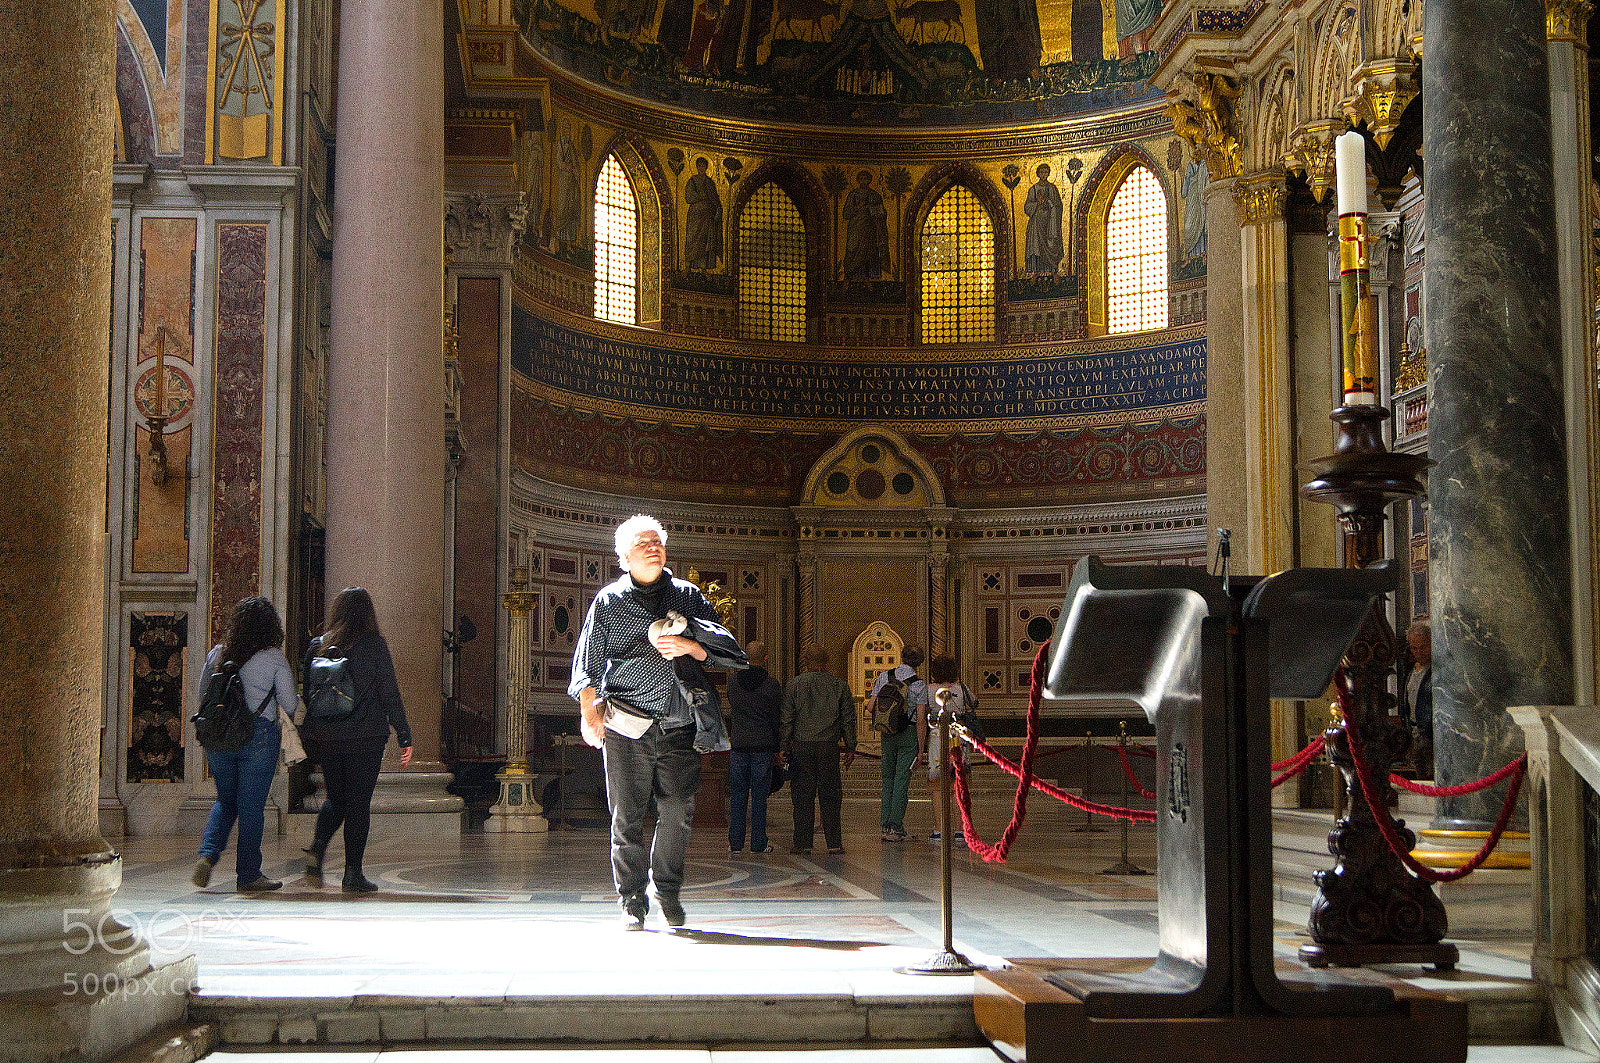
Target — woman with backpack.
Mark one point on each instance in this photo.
(243, 777)
(347, 737)
(943, 675)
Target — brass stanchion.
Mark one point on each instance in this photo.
(561, 787)
(947, 960)
(1124, 866)
(1088, 817)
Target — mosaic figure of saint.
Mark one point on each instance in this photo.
(866, 232)
(1195, 179)
(1134, 18)
(1042, 250)
(569, 205)
(705, 35)
(702, 230)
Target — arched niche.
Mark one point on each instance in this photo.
(655, 226)
(1101, 189)
(873, 468)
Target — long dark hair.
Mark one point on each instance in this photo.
(351, 617)
(254, 627)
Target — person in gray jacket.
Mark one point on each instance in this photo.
(819, 714)
(255, 643)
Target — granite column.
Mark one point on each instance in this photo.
(386, 427)
(1499, 543)
(77, 982)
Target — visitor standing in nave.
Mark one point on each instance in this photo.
(818, 714)
(903, 750)
(944, 675)
(637, 676)
(349, 749)
(756, 699)
(255, 644)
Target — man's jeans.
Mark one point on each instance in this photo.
(243, 779)
(663, 764)
(749, 782)
(899, 753)
(814, 776)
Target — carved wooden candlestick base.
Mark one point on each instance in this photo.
(1369, 907)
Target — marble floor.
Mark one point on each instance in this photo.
(534, 916)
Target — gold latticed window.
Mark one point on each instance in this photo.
(772, 267)
(616, 245)
(957, 270)
(1136, 255)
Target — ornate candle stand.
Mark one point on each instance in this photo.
(517, 811)
(1369, 907)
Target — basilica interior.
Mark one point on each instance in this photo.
(891, 314)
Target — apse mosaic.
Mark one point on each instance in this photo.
(934, 62)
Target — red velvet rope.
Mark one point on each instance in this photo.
(1127, 769)
(1142, 751)
(1380, 812)
(1297, 763)
(1455, 791)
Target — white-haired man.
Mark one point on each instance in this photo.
(647, 704)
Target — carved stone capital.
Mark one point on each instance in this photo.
(1567, 20)
(1203, 113)
(1383, 90)
(1311, 153)
(482, 229)
(1261, 197)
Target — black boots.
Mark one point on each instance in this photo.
(356, 882)
(314, 864)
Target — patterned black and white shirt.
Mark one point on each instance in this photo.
(615, 656)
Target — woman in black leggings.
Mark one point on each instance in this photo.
(350, 748)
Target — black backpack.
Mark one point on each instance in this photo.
(330, 688)
(224, 722)
(891, 711)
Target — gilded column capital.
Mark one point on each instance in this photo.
(1261, 197)
(1384, 88)
(482, 229)
(1205, 115)
(1567, 20)
(1311, 153)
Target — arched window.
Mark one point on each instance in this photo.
(616, 246)
(957, 270)
(772, 267)
(1136, 255)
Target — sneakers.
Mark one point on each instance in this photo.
(671, 910)
(836, 850)
(201, 875)
(893, 834)
(737, 849)
(934, 837)
(634, 909)
(766, 849)
(259, 884)
(798, 851)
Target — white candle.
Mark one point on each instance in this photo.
(1350, 164)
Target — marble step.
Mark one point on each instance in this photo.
(735, 1008)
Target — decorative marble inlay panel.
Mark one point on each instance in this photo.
(157, 642)
(238, 409)
(162, 373)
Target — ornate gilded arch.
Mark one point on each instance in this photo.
(1094, 208)
(934, 184)
(805, 192)
(655, 231)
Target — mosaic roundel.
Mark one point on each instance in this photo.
(869, 484)
(177, 394)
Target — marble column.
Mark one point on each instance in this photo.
(1499, 543)
(1269, 475)
(386, 429)
(1227, 506)
(1566, 27)
(66, 956)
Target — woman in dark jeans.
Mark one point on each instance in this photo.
(350, 750)
(243, 777)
